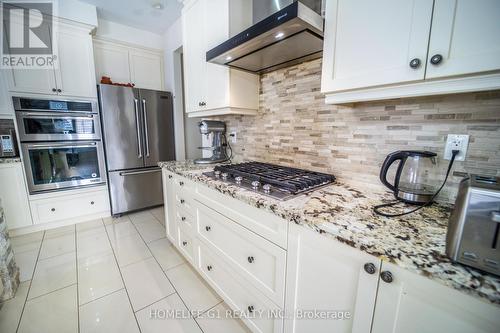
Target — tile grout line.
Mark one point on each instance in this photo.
(100, 297)
(31, 282)
(121, 275)
(173, 286)
(52, 291)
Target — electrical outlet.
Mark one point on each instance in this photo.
(456, 142)
(232, 137)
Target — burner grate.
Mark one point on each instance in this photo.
(290, 179)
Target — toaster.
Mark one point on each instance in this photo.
(473, 236)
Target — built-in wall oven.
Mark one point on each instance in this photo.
(60, 143)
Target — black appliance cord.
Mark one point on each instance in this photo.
(376, 209)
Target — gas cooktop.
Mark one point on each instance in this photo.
(275, 181)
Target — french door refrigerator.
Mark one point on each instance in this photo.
(138, 132)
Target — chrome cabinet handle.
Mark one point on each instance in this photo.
(386, 276)
(137, 129)
(251, 308)
(182, 201)
(133, 173)
(59, 90)
(436, 59)
(146, 132)
(169, 176)
(54, 89)
(183, 218)
(209, 267)
(415, 63)
(181, 183)
(370, 268)
(208, 228)
(184, 243)
(251, 259)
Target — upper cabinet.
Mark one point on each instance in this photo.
(72, 76)
(6, 109)
(124, 63)
(212, 89)
(405, 48)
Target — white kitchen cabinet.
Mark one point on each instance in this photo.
(466, 34)
(75, 75)
(370, 43)
(213, 89)
(170, 212)
(125, 63)
(145, 68)
(14, 195)
(112, 61)
(325, 275)
(6, 109)
(387, 50)
(416, 304)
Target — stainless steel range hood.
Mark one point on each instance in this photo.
(289, 36)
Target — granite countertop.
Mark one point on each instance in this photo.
(10, 159)
(341, 211)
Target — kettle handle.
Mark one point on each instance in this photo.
(391, 158)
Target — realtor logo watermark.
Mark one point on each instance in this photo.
(28, 31)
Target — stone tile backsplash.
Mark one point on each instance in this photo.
(295, 127)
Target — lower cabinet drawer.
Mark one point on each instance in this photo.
(186, 243)
(259, 261)
(258, 312)
(184, 201)
(72, 206)
(182, 217)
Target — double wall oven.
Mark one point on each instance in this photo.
(60, 143)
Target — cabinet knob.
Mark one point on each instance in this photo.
(54, 89)
(208, 228)
(370, 268)
(53, 209)
(169, 176)
(59, 90)
(182, 201)
(181, 183)
(251, 259)
(386, 276)
(415, 63)
(91, 202)
(209, 267)
(183, 218)
(184, 243)
(251, 308)
(436, 59)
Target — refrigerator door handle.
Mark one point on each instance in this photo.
(137, 128)
(132, 173)
(145, 116)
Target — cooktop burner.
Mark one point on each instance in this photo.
(272, 180)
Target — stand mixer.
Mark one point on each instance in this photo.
(219, 141)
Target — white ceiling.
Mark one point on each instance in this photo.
(139, 13)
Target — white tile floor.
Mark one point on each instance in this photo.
(109, 275)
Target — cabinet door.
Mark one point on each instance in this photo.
(169, 204)
(5, 100)
(216, 79)
(14, 196)
(374, 46)
(111, 61)
(146, 69)
(75, 73)
(328, 276)
(467, 36)
(193, 21)
(416, 304)
(37, 81)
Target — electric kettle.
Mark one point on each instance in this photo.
(411, 182)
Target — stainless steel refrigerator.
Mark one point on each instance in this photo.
(138, 132)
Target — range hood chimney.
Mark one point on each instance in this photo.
(289, 36)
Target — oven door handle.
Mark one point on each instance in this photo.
(62, 144)
(132, 173)
(72, 114)
(137, 128)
